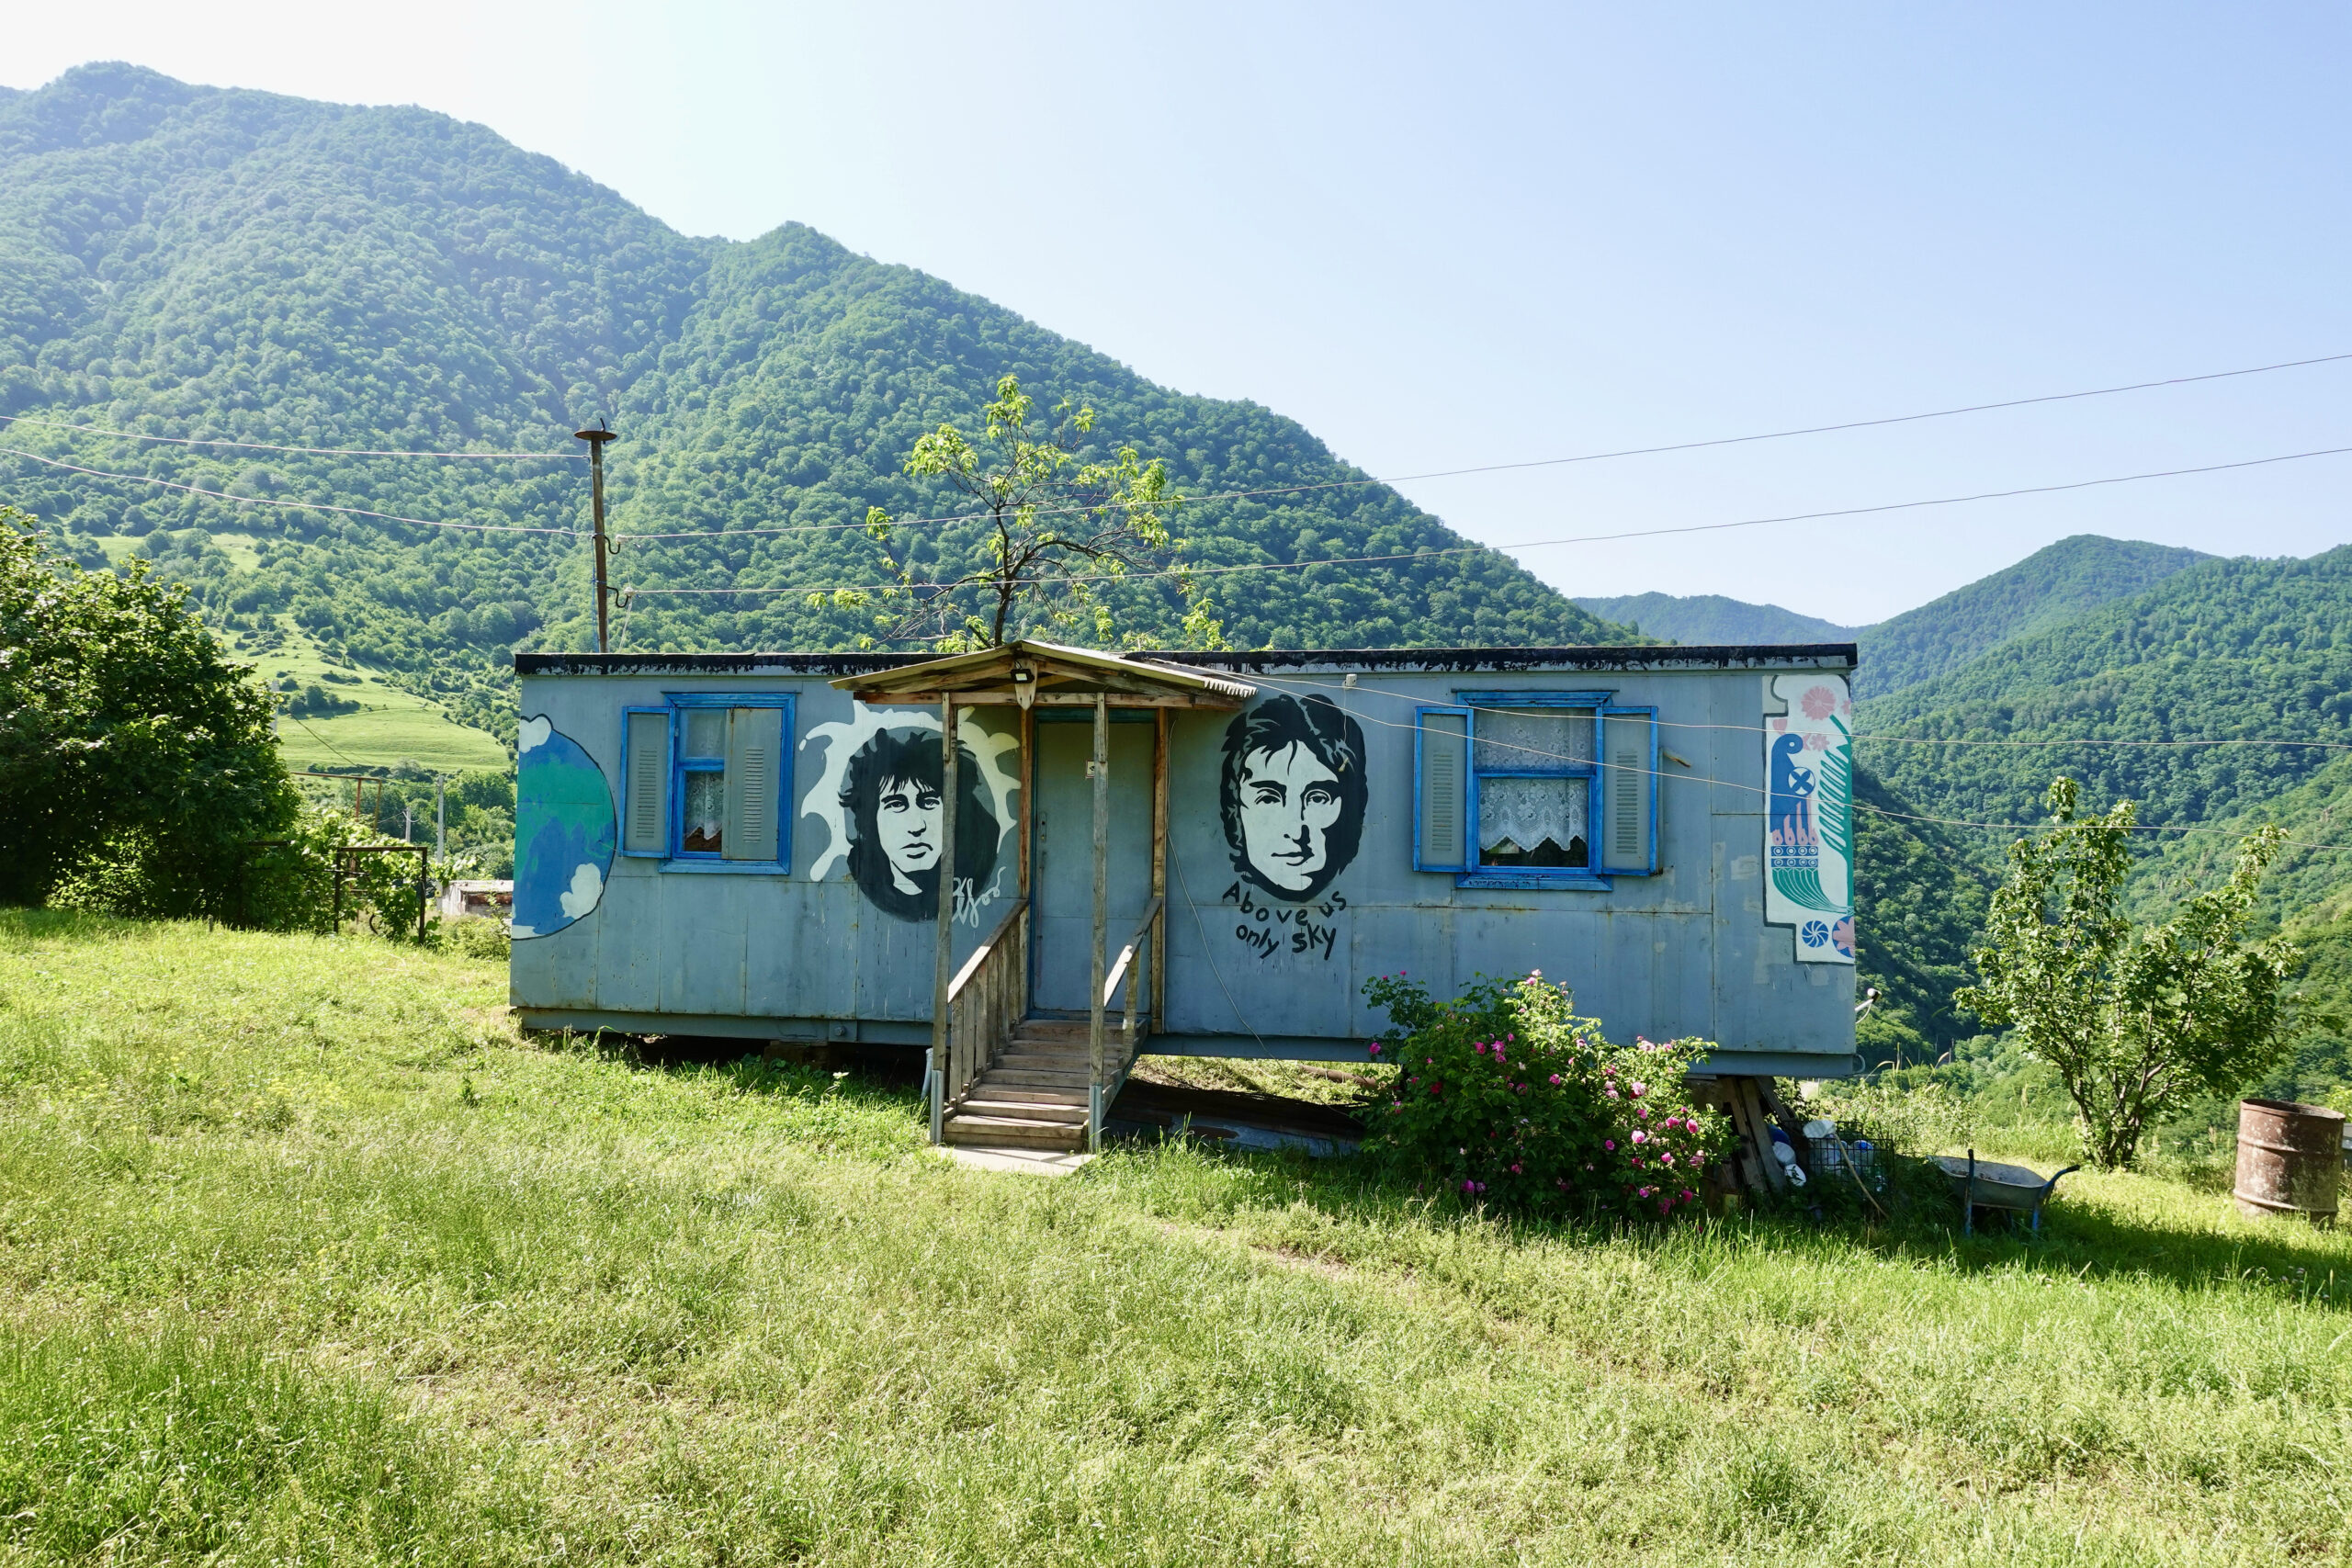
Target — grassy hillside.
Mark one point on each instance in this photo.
(2054, 585)
(309, 1256)
(188, 261)
(1711, 617)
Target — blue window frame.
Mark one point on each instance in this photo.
(1536, 790)
(708, 777)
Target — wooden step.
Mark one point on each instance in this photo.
(1030, 1056)
(1052, 1028)
(990, 1103)
(990, 1089)
(1021, 1132)
(1023, 1078)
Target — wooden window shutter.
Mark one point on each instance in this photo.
(1628, 790)
(1441, 769)
(648, 777)
(755, 746)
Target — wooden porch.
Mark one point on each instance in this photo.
(1000, 1073)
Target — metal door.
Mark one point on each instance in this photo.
(1063, 878)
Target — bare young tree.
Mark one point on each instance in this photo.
(1057, 530)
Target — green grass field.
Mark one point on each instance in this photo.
(306, 1258)
(390, 725)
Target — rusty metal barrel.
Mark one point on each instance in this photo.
(2290, 1159)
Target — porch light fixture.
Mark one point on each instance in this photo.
(1024, 685)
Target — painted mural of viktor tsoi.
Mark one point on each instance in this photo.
(891, 799)
(1292, 795)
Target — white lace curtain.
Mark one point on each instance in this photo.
(1525, 812)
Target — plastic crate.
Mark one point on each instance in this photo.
(1831, 1157)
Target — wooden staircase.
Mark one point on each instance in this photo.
(1034, 1094)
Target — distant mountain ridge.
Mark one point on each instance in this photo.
(2050, 587)
(1711, 619)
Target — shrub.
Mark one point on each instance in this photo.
(1505, 1097)
(476, 938)
(282, 884)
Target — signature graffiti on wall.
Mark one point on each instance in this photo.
(1273, 930)
(881, 797)
(1809, 816)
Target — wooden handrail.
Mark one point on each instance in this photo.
(980, 954)
(1118, 973)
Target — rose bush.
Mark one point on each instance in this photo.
(1505, 1097)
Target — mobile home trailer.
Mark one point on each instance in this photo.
(1182, 853)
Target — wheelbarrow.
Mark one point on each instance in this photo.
(1987, 1184)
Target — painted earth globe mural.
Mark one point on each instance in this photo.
(564, 830)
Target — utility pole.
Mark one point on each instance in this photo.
(596, 435)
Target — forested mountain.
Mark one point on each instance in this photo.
(1711, 619)
(2054, 585)
(2227, 649)
(197, 263)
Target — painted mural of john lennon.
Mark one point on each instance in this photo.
(1292, 795)
(891, 797)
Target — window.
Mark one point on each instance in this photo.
(1542, 789)
(1535, 773)
(708, 781)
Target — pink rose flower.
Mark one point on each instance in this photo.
(1609, 1144)
(1640, 1137)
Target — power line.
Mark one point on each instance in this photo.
(1713, 783)
(261, 446)
(1192, 571)
(2038, 826)
(1857, 735)
(1581, 457)
(291, 505)
(325, 742)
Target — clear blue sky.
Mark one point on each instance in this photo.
(1440, 242)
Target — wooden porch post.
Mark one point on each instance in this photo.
(1028, 790)
(941, 968)
(1102, 771)
(1159, 763)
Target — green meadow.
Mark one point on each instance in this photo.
(390, 725)
(307, 1256)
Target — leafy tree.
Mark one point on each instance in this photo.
(126, 737)
(2136, 1023)
(1056, 525)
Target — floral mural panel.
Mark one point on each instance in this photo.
(1809, 816)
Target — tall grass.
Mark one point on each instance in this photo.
(402, 1287)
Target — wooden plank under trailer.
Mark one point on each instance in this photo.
(1755, 1108)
